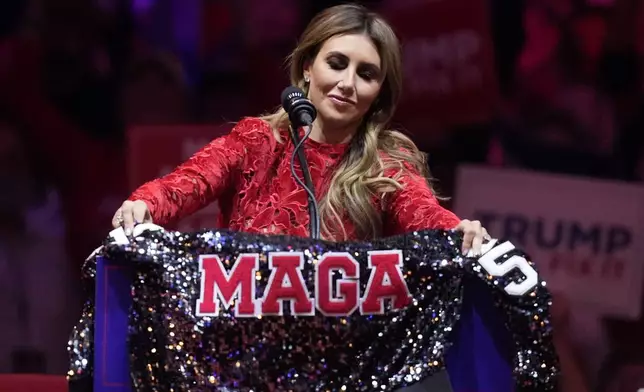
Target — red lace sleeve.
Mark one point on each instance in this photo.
(206, 175)
(415, 207)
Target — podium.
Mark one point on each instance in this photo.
(480, 358)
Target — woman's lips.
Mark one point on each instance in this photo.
(341, 100)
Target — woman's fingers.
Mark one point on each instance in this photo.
(140, 212)
(477, 241)
(473, 236)
(128, 216)
(117, 220)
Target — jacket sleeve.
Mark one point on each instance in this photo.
(415, 207)
(205, 176)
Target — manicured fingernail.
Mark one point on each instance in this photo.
(466, 251)
(128, 231)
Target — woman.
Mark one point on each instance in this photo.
(371, 180)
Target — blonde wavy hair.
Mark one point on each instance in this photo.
(359, 176)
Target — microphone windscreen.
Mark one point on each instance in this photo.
(290, 95)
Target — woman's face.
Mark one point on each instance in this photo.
(345, 79)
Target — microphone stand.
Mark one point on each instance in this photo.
(314, 215)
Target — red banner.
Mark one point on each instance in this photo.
(154, 151)
(448, 62)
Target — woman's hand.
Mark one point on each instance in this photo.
(131, 213)
(473, 237)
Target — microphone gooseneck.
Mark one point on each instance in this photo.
(301, 112)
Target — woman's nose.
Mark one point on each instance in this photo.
(347, 83)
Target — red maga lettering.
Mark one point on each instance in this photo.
(347, 288)
(219, 285)
(386, 281)
(333, 297)
(286, 283)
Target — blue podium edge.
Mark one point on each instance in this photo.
(112, 305)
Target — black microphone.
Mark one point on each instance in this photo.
(300, 110)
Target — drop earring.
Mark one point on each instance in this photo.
(306, 79)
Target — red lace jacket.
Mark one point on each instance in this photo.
(248, 171)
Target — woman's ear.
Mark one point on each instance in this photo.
(306, 71)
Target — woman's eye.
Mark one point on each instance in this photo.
(334, 64)
(367, 75)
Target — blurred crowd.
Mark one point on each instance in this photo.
(576, 94)
(76, 74)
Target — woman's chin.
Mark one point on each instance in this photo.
(335, 119)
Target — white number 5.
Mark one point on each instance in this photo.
(488, 261)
